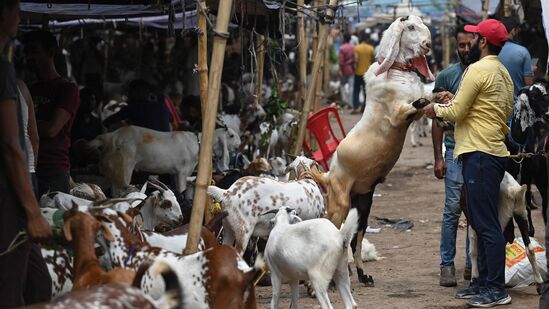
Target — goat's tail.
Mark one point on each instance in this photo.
(216, 193)
(318, 176)
(173, 297)
(349, 228)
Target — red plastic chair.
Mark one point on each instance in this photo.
(321, 128)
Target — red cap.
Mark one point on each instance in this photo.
(493, 30)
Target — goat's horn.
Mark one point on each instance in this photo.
(157, 186)
(100, 207)
(272, 211)
(160, 183)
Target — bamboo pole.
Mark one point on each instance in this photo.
(303, 47)
(205, 158)
(485, 8)
(323, 34)
(445, 41)
(260, 66)
(203, 76)
(506, 8)
(326, 81)
(319, 82)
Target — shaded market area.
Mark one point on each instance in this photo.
(259, 153)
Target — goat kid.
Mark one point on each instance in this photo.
(249, 197)
(312, 250)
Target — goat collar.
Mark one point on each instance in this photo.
(398, 66)
(130, 254)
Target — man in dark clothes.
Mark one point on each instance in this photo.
(143, 109)
(86, 125)
(24, 277)
(56, 100)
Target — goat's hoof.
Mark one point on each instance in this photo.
(310, 289)
(367, 280)
(538, 288)
(420, 103)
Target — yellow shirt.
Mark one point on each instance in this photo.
(365, 55)
(481, 108)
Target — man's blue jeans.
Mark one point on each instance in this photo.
(453, 182)
(482, 175)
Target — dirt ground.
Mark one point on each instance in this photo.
(408, 276)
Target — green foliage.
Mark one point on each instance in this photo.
(274, 109)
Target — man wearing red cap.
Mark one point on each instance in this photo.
(480, 110)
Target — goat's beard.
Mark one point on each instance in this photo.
(474, 54)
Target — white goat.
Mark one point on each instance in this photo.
(370, 150)
(512, 204)
(312, 250)
(87, 191)
(250, 196)
(135, 148)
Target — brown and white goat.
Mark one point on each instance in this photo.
(368, 153)
(117, 296)
(81, 230)
(214, 278)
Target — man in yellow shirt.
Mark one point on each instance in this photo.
(480, 109)
(364, 54)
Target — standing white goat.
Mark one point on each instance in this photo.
(372, 147)
(312, 250)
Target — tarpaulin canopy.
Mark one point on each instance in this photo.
(160, 22)
(67, 10)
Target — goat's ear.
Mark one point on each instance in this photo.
(127, 219)
(107, 233)
(395, 33)
(67, 230)
(102, 217)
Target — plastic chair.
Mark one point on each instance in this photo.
(321, 128)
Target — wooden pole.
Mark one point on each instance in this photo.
(208, 127)
(445, 41)
(303, 47)
(203, 56)
(485, 7)
(326, 81)
(320, 80)
(323, 35)
(506, 8)
(203, 77)
(260, 66)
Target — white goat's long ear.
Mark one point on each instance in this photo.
(226, 158)
(395, 33)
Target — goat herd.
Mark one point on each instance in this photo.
(110, 251)
(127, 251)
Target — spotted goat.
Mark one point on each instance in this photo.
(249, 197)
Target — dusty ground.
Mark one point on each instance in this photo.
(408, 276)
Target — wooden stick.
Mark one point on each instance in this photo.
(203, 76)
(260, 66)
(485, 8)
(205, 159)
(506, 8)
(303, 47)
(323, 34)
